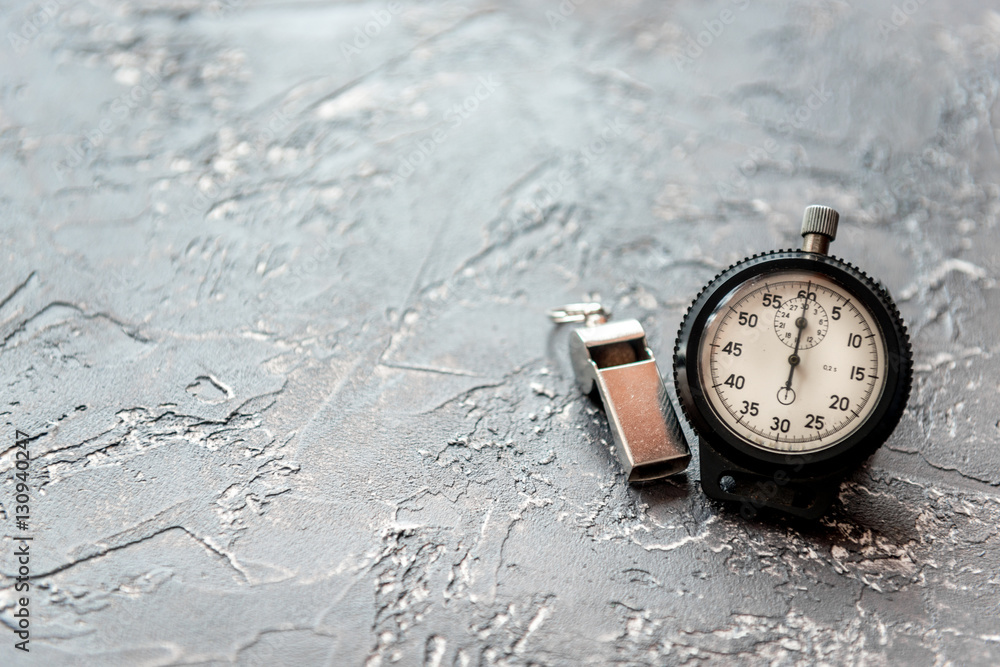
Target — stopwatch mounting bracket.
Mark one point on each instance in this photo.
(782, 489)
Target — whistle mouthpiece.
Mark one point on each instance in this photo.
(614, 358)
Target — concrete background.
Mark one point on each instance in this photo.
(273, 294)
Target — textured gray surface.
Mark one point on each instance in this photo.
(276, 310)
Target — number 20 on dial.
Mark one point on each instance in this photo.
(792, 367)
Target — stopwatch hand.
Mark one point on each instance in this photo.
(794, 360)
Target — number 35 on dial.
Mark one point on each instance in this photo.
(791, 366)
(792, 361)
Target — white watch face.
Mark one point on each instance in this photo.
(792, 362)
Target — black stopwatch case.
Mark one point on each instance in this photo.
(803, 484)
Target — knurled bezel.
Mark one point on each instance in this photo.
(854, 449)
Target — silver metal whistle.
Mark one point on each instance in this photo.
(614, 357)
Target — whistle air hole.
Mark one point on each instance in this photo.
(619, 354)
(655, 471)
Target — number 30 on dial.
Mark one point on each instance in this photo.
(792, 367)
(792, 362)
(789, 353)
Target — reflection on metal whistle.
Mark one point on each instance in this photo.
(614, 358)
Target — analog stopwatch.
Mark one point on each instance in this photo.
(792, 367)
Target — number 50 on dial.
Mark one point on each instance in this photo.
(791, 360)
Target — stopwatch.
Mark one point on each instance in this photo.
(791, 367)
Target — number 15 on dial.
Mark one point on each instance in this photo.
(792, 367)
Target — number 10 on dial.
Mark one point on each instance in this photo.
(791, 366)
(792, 362)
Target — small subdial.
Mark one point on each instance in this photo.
(816, 322)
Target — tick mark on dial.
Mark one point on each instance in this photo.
(800, 323)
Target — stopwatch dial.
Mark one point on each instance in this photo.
(792, 362)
